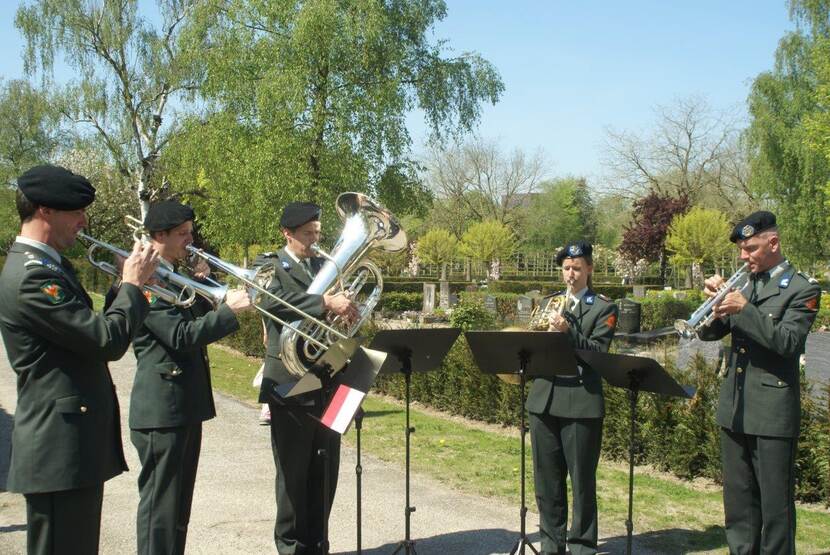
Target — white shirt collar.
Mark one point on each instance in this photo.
(579, 294)
(293, 256)
(38, 245)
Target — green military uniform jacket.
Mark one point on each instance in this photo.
(592, 324)
(172, 381)
(290, 283)
(760, 394)
(67, 427)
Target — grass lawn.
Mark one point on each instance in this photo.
(674, 515)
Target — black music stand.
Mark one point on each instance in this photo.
(412, 350)
(530, 354)
(634, 374)
(347, 363)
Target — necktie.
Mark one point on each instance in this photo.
(307, 267)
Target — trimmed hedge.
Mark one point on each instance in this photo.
(400, 301)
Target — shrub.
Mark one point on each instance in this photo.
(470, 314)
(399, 301)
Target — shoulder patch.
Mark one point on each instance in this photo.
(53, 291)
(611, 321)
(812, 304)
(150, 297)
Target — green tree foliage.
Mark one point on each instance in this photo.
(315, 93)
(402, 192)
(563, 211)
(613, 215)
(29, 128)
(437, 246)
(487, 241)
(786, 171)
(698, 237)
(129, 72)
(29, 135)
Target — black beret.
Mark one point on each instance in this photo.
(56, 187)
(752, 224)
(576, 249)
(167, 215)
(296, 214)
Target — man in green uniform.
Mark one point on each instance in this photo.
(566, 413)
(760, 405)
(296, 436)
(172, 393)
(67, 439)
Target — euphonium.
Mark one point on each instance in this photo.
(347, 270)
(705, 314)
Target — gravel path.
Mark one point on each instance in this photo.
(233, 506)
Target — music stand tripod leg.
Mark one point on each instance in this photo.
(633, 393)
(358, 470)
(408, 545)
(519, 548)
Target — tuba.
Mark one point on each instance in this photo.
(347, 269)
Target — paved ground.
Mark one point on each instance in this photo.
(233, 507)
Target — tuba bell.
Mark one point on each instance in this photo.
(347, 269)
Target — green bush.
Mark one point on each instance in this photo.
(506, 303)
(248, 339)
(470, 314)
(399, 301)
(659, 311)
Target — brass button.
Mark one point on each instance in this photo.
(739, 370)
(742, 351)
(176, 372)
(780, 382)
(580, 381)
(83, 408)
(770, 315)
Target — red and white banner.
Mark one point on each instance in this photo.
(342, 408)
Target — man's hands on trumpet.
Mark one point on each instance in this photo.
(341, 305)
(140, 265)
(732, 303)
(238, 300)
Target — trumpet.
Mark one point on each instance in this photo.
(705, 313)
(185, 297)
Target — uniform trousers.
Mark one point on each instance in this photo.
(562, 447)
(169, 461)
(296, 438)
(64, 522)
(758, 493)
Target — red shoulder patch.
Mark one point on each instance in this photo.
(812, 304)
(611, 321)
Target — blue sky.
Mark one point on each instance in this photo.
(573, 69)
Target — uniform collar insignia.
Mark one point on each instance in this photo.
(784, 283)
(589, 298)
(286, 265)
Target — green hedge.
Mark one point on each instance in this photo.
(399, 301)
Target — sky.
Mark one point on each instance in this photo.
(573, 70)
